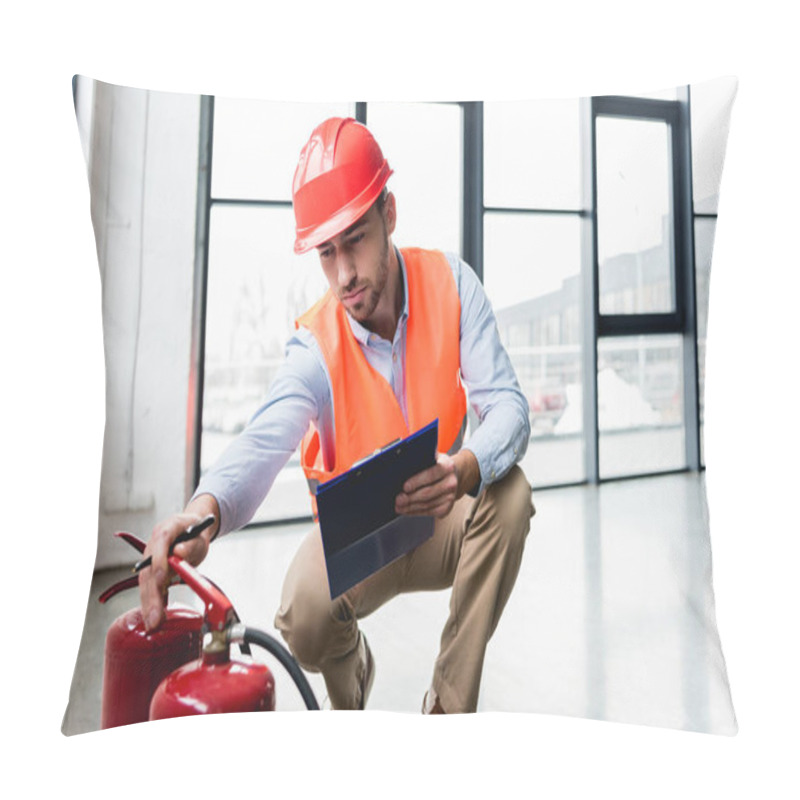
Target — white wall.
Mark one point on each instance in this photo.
(143, 175)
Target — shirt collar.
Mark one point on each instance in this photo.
(359, 331)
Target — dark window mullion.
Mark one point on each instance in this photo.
(472, 201)
(685, 208)
(522, 210)
(636, 108)
(639, 324)
(590, 295)
(235, 201)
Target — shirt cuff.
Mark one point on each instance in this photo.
(495, 461)
(225, 513)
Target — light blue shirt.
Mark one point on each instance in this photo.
(301, 392)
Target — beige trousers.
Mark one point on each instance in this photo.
(476, 549)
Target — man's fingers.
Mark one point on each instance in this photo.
(439, 508)
(152, 599)
(193, 551)
(431, 492)
(425, 478)
(433, 499)
(153, 580)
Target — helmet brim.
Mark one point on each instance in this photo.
(315, 235)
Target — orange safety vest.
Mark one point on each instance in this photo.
(366, 412)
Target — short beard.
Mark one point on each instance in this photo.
(381, 279)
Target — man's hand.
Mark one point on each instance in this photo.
(154, 580)
(433, 491)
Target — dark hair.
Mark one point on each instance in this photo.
(381, 201)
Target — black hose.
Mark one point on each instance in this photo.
(272, 645)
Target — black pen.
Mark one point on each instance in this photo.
(190, 533)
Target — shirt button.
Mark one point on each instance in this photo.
(493, 473)
(394, 357)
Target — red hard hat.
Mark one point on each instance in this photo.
(340, 174)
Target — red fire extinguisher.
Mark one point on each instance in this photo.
(170, 672)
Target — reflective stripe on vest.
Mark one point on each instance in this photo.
(366, 412)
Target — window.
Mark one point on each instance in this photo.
(532, 155)
(532, 269)
(422, 143)
(256, 285)
(640, 405)
(634, 216)
(646, 367)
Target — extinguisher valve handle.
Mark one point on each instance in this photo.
(219, 610)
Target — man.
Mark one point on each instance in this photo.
(388, 349)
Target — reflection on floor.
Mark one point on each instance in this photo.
(612, 616)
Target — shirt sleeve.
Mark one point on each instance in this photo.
(243, 475)
(494, 393)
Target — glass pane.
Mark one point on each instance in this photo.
(257, 287)
(532, 278)
(532, 154)
(711, 104)
(634, 216)
(640, 405)
(257, 144)
(422, 143)
(704, 230)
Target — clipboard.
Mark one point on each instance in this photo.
(361, 531)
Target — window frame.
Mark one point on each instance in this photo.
(683, 320)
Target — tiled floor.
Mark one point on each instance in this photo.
(612, 616)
